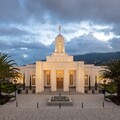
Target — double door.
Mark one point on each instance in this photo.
(59, 79)
(59, 83)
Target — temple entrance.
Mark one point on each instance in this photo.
(59, 83)
(59, 79)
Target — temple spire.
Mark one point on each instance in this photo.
(59, 29)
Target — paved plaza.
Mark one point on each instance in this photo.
(92, 109)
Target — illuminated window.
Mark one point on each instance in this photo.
(59, 47)
(33, 79)
(86, 79)
(48, 79)
(71, 79)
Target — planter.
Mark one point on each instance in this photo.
(23, 91)
(33, 90)
(89, 91)
(19, 91)
(96, 91)
(30, 91)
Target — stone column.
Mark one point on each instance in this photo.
(93, 77)
(27, 77)
(80, 77)
(39, 77)
(53, 79)
(66, 80)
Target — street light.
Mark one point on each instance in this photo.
(15, 81)
(104, 88)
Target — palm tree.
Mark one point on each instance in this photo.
(7, 69)
(111, 73)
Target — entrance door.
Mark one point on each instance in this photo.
(59, 83)
(59, 79)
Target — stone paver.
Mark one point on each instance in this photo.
(27, 109)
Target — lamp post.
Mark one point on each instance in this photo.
(15, 81)
(104, 88)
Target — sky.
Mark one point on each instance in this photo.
(28, 27)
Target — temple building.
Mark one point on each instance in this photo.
(60, 71)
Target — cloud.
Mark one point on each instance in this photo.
(87, 44)
(28, 27)
(115, 44)
(107, 11)
(21, 11)
(12, 31)
(104, 12)
(10, 11)
(26, 53)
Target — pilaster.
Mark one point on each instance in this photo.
(39, 77)
(80, 77)
(66, 80)
(53, 79)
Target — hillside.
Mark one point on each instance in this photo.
(97, 58)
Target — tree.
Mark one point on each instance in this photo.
(111, 73)
(7, 69)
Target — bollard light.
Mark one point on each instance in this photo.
(17, 104)
(59, 105)
(103, 104)
(82, 104)
(37, 104)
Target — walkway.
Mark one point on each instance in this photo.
(27, 109)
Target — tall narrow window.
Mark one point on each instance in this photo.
(48, 79)
(86, 79)
(60, 47)
(33, 79)
(71, 79)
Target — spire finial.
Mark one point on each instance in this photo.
(59, 29)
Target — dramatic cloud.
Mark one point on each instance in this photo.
(28, 27)
(115, 44)
(12, 32)
(99, 10)
(85, 43)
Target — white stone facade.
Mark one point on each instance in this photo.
(59, 71)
